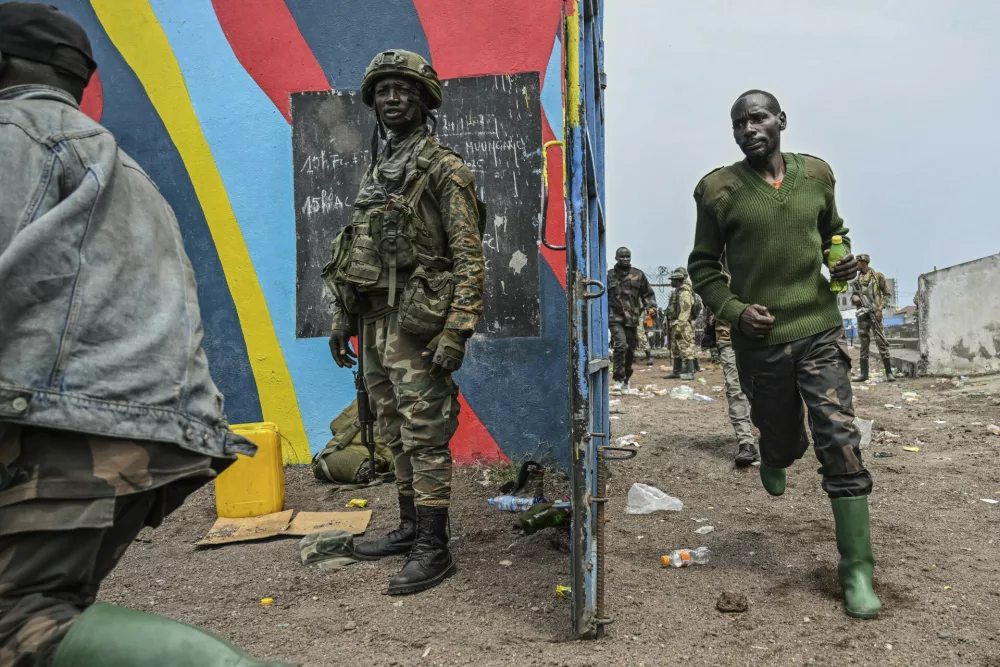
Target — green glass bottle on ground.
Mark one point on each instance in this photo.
(837, 252)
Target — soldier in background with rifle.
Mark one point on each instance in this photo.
(869, 296)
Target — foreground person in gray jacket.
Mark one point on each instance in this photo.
(108, 415)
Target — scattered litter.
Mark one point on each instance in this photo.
(991, 501)
(947, 588)
(890, 406)
(284, 625)
(226, 530)
(630, 392)
(865, 426)
(910, 396)
(889, 435)
(717, 389)
(940, 421)
(705, 530)
(626, 440)
(701, 380)
(614, 417)
(882, 455)
(731, 603)
(703, 398)
(397, 603)
(645, 499)
(427, 652)
(660, 392)
(806, 619)
(666, 369)
(267, 602)
(994, 429)
(647, 396)
(514, 503)
(358, 502)
(978, 424)
(307, 523)
(686, 557)
(564, 591)
(911, 449)
(682, 392)
(643, 432)
(615, 401)
(506, 563)
(649, 388)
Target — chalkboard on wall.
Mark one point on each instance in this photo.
(494, 122)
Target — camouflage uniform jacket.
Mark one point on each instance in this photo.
(873, 286)
(681, 302)
(448, 209)
(630, 296)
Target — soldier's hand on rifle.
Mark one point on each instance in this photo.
(340, 347)
(447, 351)
(845, 270)
(756, 322)
(856, 300)
(878, 315)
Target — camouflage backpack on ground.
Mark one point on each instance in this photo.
(344, 460)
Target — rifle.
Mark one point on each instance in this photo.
(366, 420)
(867, 309)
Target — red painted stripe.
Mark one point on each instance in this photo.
(93, 98)
(471, 37)
(472, 442)
(267, 42)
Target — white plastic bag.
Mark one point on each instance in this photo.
(865, 426)
(645, 499)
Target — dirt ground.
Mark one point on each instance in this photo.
(934, 542)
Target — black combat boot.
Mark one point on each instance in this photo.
(887, 362)
(747, 455)
(430, 561)
(687, 372)
(864, 372)
(677, 369)
(697, 366)
(649, 357)
(399, 541)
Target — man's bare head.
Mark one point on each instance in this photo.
(758, 122)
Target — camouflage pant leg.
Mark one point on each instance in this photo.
(623, 346)
(49, 577)
(641, 342)
(816, 370)
(423, 408)
(739, 406)
(682, 340)
(865, 335)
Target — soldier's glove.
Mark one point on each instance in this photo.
(448, 350)
(340, 348)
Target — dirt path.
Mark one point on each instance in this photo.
(934, 542)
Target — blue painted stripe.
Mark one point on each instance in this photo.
(131, 117)
(552, 100)
(251, 143)
(345, 35)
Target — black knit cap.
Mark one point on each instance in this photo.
(42, 33)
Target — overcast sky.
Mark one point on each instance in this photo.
(897, 96)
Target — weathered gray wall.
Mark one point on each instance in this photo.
(960, 318)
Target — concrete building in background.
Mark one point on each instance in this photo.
(959, 318)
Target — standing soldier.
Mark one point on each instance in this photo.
(774, 215)
(681, 316)
(872, 286)
(410, 268)
(108, 414)
(630, 300)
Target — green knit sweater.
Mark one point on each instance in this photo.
(773, 239)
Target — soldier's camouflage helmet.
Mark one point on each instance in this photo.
(398, 62)
(680, 273)
(864, 258)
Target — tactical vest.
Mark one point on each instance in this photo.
(398, 246)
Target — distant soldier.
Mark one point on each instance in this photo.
(872, 286)
(408, 273)
(680, 313)
(643, 335)
(630, 300)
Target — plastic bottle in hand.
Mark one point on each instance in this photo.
(685, 557)
(837, 252)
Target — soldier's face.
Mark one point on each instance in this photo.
(397, 101)
(862, 266)
(624, 259)
(675, 283)
(756, 127)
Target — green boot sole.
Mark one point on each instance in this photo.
(109, 636)
(773, 479)
(857, 563)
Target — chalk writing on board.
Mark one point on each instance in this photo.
(494, 122)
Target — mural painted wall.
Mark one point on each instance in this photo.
(197, 91)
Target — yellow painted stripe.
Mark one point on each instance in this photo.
(573, 94)
(132, 26)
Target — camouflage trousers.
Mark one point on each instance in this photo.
(417, 411)
(641, 341)
(865, 335)
(815, 370)
(739, 406)
(623, 344)
(682, 340)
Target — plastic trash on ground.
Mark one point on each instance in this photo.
(645, 499)
(865, 426)
(703, 398)
(994, 429)
(682, 392)
(357, 502)
(705, 530)
(686, 557)
(626, 440)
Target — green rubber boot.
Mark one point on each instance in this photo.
(857, 564)
(110, 636)
(864, 372)
(773, 479)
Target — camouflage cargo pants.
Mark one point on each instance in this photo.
(816, 370)
(682, 340)
(623, 344)
(417, 411)
(865, 335)
(739, 406)
(641, 341)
